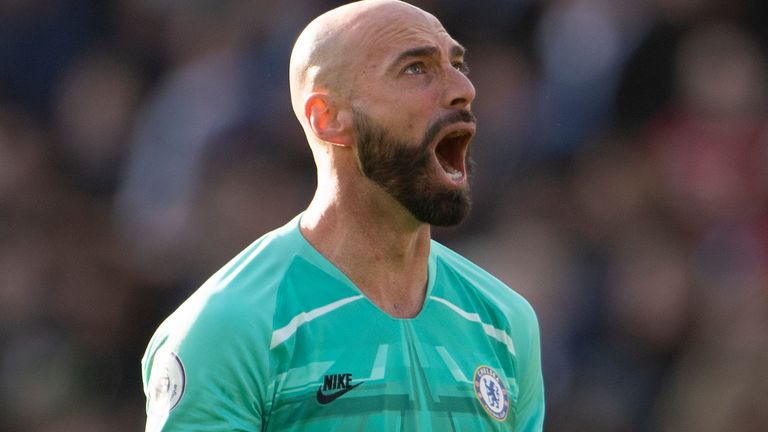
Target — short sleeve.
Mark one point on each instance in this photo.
(206, 374)
(530, 414)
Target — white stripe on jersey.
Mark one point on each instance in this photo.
(499, 335)
(282, 334)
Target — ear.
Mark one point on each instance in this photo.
(328, 121)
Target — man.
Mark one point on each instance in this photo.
(350, 317)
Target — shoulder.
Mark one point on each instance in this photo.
(220, 334)
(236, 302)
(243, 290)
(485, 287)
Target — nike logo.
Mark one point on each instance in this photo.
(342, 382)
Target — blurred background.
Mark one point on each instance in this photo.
(621, 186)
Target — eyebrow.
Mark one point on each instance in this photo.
(458, 51)
(428, 51)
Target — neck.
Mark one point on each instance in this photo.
(374, 241)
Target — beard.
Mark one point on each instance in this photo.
(404, 170)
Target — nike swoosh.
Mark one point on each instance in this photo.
(323, 399)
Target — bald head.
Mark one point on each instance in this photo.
(381, 91)
(328, 55)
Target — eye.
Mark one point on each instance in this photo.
(417, 68)
(461, 66)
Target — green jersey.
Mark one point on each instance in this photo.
(281, 340)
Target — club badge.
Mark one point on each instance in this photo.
(491, 392)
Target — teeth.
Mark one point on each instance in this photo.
(456, 134)
(454, 175)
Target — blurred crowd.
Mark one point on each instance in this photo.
(621, 185)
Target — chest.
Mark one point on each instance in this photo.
(359, 370)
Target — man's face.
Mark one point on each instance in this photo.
(411, 110)
(405, 170)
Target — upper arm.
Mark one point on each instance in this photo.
(210, 375)
(530, 416)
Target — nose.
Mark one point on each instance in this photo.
(459, 91)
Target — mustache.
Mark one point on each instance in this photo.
(460, 116)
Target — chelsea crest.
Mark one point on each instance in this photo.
(491, 392)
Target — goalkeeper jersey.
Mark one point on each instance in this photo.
(280, 339)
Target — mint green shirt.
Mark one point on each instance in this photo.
(280, 339)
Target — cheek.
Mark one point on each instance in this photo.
(422, 111)
(412, 130)
(415, 118)
(406, 112)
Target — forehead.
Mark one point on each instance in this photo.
(390, 32)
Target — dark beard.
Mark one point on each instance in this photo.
(403, 170)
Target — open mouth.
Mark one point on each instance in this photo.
(451, 153)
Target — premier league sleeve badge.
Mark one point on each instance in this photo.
(166, 384)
